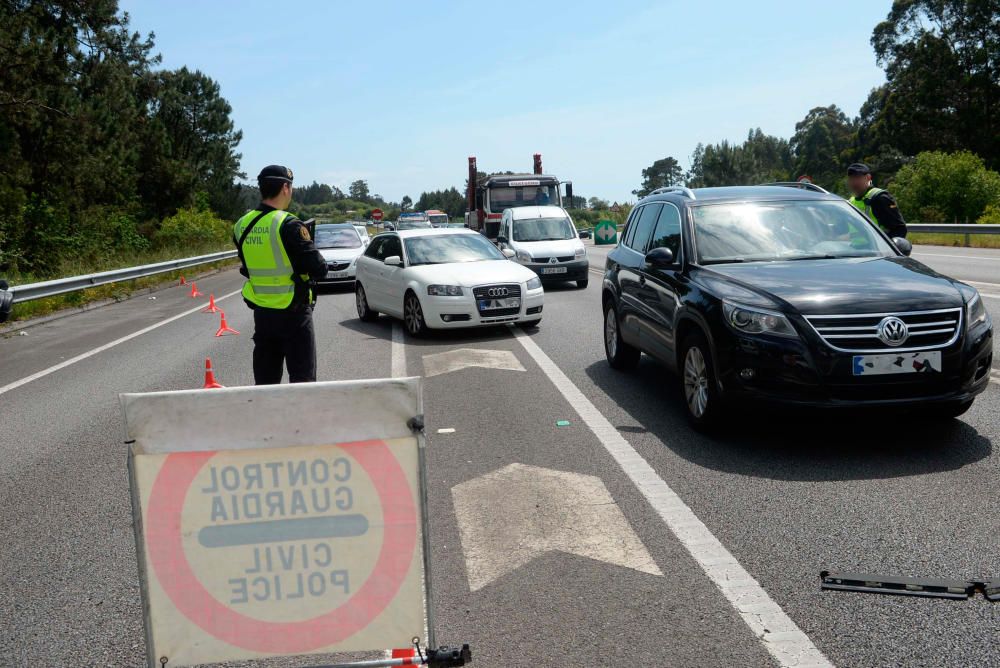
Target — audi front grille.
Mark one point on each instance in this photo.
(491, 292)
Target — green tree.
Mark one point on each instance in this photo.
(406, 203)
(598, 204)
(823, 146)
(946, 187)
(358, 190)
(662, 173)
(760, 158)
(943, 72)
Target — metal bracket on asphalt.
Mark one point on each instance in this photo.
(905, 586)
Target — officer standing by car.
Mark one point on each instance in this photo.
(875, 203)
(281, 264)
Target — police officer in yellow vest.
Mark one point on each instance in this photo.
(875, 203)
(280, 263)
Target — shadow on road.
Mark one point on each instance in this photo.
(792, 445)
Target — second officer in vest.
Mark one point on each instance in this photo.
(876, 203)
(280, 263)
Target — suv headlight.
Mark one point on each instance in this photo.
(522, 256)
(534, 283)
(580, 252)
(445, 290)
(752, 320)
(975, 312)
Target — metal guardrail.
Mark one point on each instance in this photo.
(951, 228)
(61, 286)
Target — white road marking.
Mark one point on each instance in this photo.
(100, 349)
(511, 516)
(995, 376)
(992, 285)
(767, 621)
(961, 257)
(462, 358)
(398, 351)
(987, 294)
(446, 430)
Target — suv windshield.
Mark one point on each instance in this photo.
(507, 197)
(337, 237)
(793, 230)
(444, 248)
(543, 229)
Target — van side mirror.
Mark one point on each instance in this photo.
(508, 253)
(393, 261)
(660, 258)
(904, 246)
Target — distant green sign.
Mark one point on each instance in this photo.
(605, 232)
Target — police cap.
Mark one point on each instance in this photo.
(275, 172)
(859, 169)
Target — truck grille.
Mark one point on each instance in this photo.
(860, 332)
(483, 293)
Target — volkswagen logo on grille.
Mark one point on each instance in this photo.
(498, 292)
(893, 331)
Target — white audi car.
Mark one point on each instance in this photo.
(444, 279)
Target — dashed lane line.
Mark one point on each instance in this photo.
(788, 644)
(107, 346)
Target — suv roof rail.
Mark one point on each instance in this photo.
(687, 192)
(802, 185)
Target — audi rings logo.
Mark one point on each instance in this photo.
(498, 292)
(893, 331)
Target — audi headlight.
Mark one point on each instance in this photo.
(580, 252)
(752, 320)
(975, 311)
(522, 256)
(445, 290)
(534, 283)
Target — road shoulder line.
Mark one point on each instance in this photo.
(788, 644)
(100, 349)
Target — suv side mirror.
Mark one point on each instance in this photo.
(660, 258)
(393, 261)
(904, 246)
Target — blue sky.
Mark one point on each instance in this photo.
(401, 93)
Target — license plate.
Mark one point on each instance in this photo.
(336, 274)
(553, 270)
(880, 365)
(493, 304)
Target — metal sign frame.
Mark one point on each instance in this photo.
(398, 413)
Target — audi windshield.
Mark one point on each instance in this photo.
(782, 231)
(447, 248)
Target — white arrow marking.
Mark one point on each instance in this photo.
(605, 233)
(453, 360)
(509, 517)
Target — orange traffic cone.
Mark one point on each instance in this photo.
(210, 382)
(194, 291)
(183, 282)
(224, 327)
(211, 308)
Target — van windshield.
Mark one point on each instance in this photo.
(543, 229)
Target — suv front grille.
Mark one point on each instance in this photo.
(859, 333)
(482, 293)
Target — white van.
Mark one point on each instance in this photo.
(544, 239)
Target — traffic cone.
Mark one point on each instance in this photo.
(224, 327)
(194, 291)
(211, 308)
(210, 382)
(183, 282)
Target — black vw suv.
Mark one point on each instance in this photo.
(788, 294)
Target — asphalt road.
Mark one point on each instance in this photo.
(787, 497)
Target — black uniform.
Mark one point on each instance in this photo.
(285, 336)
(885, 210)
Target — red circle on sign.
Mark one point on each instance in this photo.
(166, 554)
(377, 214)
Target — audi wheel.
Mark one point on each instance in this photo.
(365, 313)
(413, 316)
